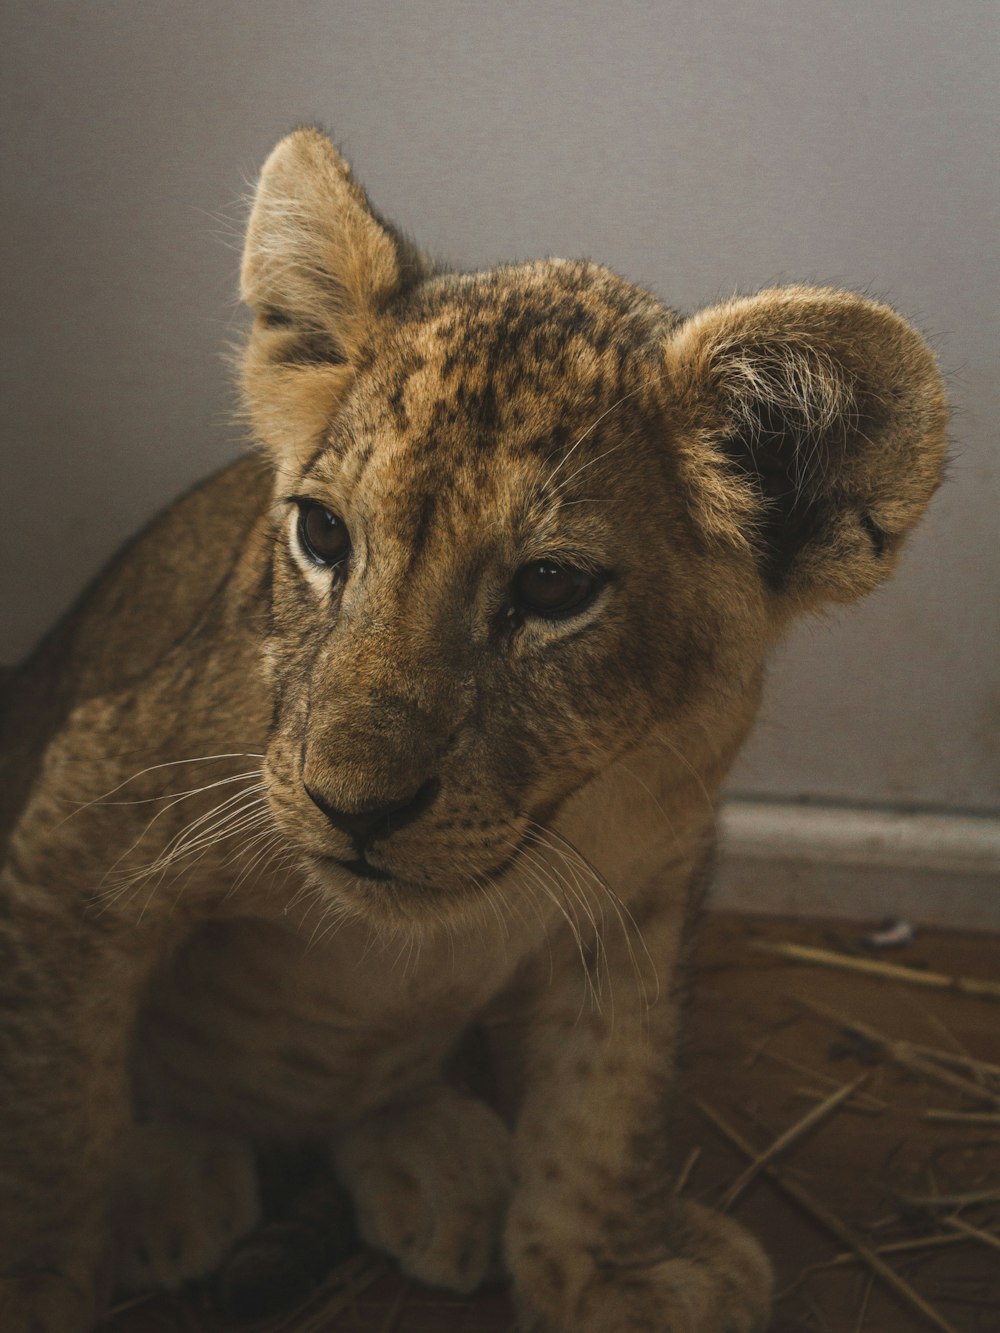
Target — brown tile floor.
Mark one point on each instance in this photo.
(757, 1056)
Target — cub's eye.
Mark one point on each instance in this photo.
(546, 589)
(322, 535)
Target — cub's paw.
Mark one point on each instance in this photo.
(45, 1303)
(430, 1182)
(184, 1198)
(717, 1281)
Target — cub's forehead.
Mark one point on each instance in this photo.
(483, 403)
(516, 358)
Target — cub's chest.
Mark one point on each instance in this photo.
(250, 1028)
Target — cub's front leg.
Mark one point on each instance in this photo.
(596, 1241)
(67, 997)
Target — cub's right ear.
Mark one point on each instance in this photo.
(319, 267)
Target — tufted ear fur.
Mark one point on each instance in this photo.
(319, 266)
(810, 427)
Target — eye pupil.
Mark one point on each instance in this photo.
(323, 536)
(544, 588)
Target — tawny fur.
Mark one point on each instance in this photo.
(186, 965)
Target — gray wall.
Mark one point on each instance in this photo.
(697, 148)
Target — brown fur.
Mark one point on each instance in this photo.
(187, 964)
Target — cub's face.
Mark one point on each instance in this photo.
(484, 589)
(528, 519)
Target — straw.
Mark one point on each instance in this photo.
(901, 1053)
(804, 953)
(801, 1127)
(830, 1222)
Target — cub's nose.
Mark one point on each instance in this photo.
(378, 821)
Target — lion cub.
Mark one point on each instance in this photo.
(417, 720)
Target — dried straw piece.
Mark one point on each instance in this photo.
(684, 1175)
(821, 1214)
(957, 1060)
(805, 953)
(872, 1103)
(965, 1117)
(812, 1118)
(931, 1242)
(863, 1312)
(130, 1303)
(398, 1306)
(949, 1200)
(901, 1053)
(820, 1320)
(974, 1233)
(344, 1284)
(852, 1103)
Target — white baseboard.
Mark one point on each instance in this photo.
(806, 860)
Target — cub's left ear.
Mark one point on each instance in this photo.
(809, 426)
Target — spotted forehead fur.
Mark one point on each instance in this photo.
(515, 368)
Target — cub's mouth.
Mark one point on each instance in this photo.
(360, 867)
(415, 882)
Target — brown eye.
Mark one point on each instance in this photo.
(322, 535)
(547, 589)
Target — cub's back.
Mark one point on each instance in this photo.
(153, 593)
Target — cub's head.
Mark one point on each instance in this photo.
(528, 519)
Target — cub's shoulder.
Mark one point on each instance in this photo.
(160, 583)
(152, 593)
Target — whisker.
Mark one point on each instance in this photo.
(108, 874)
(593, 426)
(578, 896)
(236, 813)
(627, 922)
(619, 444)
(533, 867)
(185, 840)
(164, 796)
(153, 768)
(699, 780)
(269, 843)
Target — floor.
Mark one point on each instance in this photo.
(907, 1165)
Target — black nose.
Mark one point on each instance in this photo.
(378, 821)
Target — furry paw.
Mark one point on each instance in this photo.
(184, 1198)
(719, 1281)
(430, 1182)
(45, 1303)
